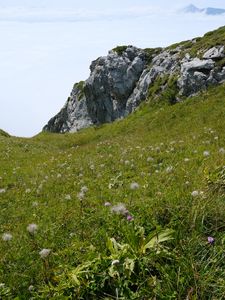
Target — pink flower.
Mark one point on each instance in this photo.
(211, 240)
(129, 218)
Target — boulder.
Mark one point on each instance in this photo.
(214, 53)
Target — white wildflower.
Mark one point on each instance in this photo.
(84, 189)
(30, 288)
(195, 193)
(115, 262)
(134, 186)
(44, 253)
(107, 204)
(2, 191)
(59, 175)
(169, 169)
(222, 151)
(119, 209)
(186, 159)
(35, 204)
(32, 228)
(206, 153)
(67, 197)
(80, 196)
(150, 159)
(6, 237)
(2, 285)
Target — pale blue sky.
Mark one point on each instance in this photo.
(48, 45)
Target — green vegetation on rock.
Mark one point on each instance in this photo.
(120, 49)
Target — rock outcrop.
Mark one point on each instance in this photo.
(120, 81)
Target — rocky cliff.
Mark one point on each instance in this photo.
(124, 78)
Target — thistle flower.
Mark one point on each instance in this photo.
(32, 228)
(6, 237)
(134, 186)
(44, 253)
(211, 240)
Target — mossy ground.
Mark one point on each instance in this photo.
(170, 151)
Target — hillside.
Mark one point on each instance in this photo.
(129, 210)
(127, 76)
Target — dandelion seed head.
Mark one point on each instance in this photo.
(84, 189)
(6, 237)
(206, 153)
(119, 209)
(44, 253)
(195, 193)
(67, 197)
(222, 151)
(169, 169)
(134, 186)
(32, 228)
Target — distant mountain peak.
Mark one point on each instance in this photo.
(191, 8)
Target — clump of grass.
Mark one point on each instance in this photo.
(120, 49)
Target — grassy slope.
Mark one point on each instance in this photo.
(38, 174)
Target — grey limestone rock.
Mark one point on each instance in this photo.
(215, 53)
(120, 81)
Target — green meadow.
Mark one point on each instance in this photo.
(129, 210)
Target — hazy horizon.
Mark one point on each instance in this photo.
(48, 46)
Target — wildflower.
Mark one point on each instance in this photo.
(115, 262)
(30, 288)
(222, 151)
(206, 153)
(129, 218)
(119, 209)
(2, 285)
(59, 175)
(107, 204)
(150, 159)
(211, 240)
(194, 193)
(80, 196)
(2, 191)
(84, 189)
(44, 253)
(134, 186)
(6, 237)
(186, 159)
(28, 191)
(35, 204)
(67, 197)
(169, 169)
(32, 228)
